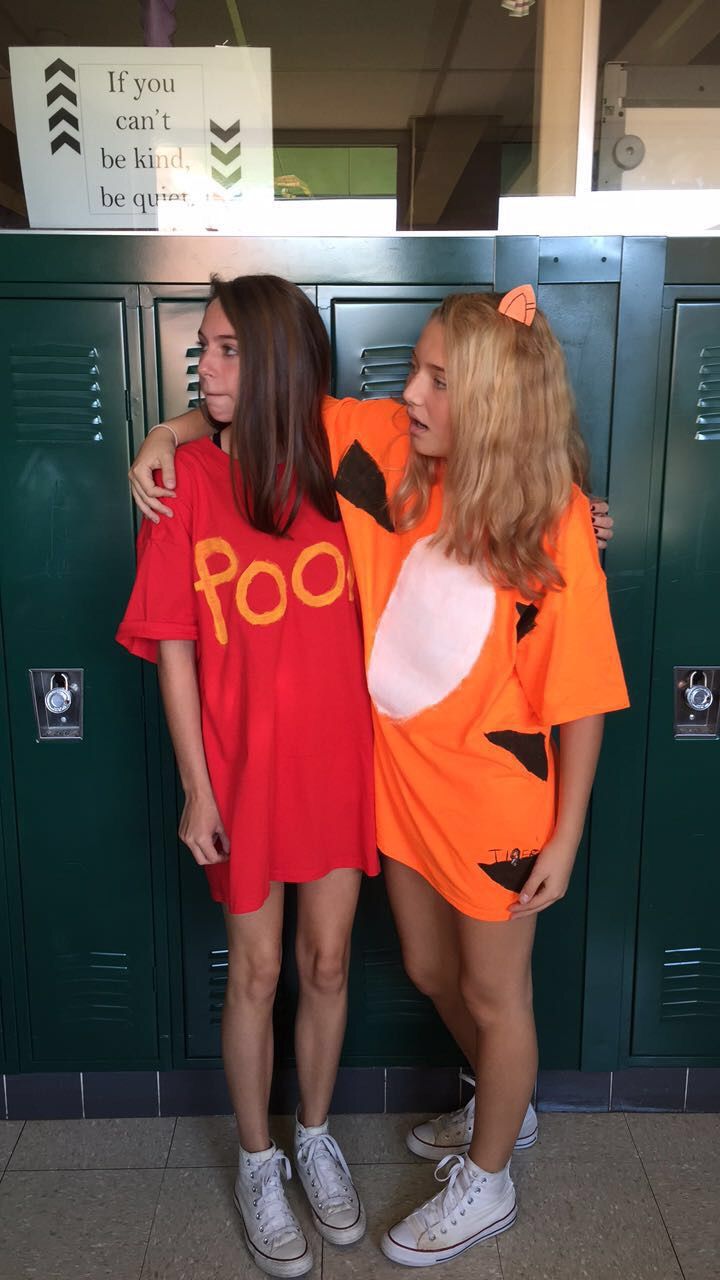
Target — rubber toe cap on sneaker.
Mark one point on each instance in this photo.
(289, 1251)
(342, 1217)
(404, 1234)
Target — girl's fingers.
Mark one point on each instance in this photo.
(150, 504)
(206, 847)
(222, 838)
(168, 472)
(538, 903)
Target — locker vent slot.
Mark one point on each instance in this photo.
(691, 983)
(192, 355)
(708, 403)
(217, 981)
(389, 992)
(55, 394)
(95, 986)
(384, 371)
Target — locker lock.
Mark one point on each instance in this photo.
(58, 698)
(697, 696)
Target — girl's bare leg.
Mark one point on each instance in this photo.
(496, 984)
(254, 956)
(326, 910)
(427, 927)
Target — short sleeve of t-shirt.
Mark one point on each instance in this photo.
(163, 601)
(568, 662)
(377, 426)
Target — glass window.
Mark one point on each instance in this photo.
(659, 96)
(416, 114)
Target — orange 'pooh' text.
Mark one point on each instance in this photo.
(208, 582)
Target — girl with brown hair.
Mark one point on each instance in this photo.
(246, 602)
(486, 623)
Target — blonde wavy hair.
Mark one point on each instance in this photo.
(515, 446)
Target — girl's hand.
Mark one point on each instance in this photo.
(548, 880)
(202, 831)
(602, 522)
(157, 454)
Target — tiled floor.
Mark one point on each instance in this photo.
(602, 1197)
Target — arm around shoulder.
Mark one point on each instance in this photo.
(157, 453)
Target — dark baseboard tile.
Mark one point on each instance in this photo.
(194, 1093)
(44, 1095)
(573, 1091)
(359, 1090)
(434, 1089)
(649, 1089)
(703, 1089)
(119, 1094)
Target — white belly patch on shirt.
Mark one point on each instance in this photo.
(430, 634)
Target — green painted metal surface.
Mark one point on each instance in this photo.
(630, 563)
(676, 1007)
(114, 880)
(80, 882)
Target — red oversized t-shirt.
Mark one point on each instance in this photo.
(285, 713)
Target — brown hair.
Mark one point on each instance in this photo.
(515, 446)
(276, 434)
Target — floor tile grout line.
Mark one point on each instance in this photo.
(172, 1139)
(499, 1254)
(152, 1222)
(14, 1149)
(652, 1193)
(105, 1168)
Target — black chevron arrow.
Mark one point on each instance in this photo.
(61, 91)
(225, 157)
(227, 180)
(64, 140)
(59, 65)
(64, 114)
(224, 134)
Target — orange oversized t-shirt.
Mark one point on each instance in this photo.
(466, 679)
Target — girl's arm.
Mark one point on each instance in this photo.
(200, 826)
(579, 750)
(157, 453)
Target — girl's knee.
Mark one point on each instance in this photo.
(490, 1003)
(323, 970)
(427, 973)
(254, 976)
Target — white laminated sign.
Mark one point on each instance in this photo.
(145, 138)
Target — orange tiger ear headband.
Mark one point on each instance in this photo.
(519, 304)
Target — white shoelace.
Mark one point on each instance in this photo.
(328, 1170)
(450, 1202)
(275, 1218)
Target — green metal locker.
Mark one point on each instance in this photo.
(81, 868)
(676, 1005)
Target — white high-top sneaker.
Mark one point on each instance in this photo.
(472, 1207)
(272, 1232)
(322, 1169)
(450, 1134)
